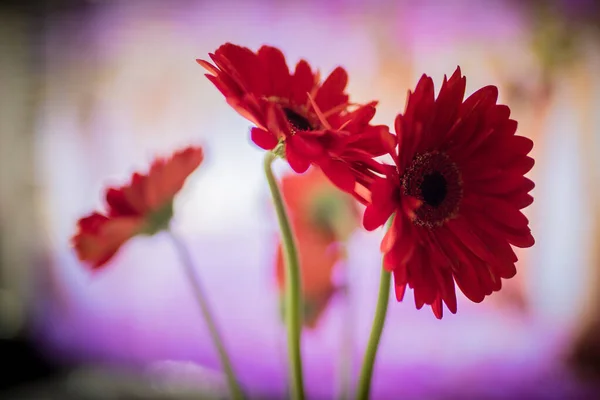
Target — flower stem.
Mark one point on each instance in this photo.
(201, 298)
(293, 293)
(364, 383)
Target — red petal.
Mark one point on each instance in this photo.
(331, 93)
(423, 279)
(399, 291)
(516, 237)
(448, 291)
(502, 184)
(225, 85)
(471, 122)
(448, 103)
(98, 245)
(409, 138)
(521, 165)
(437, 308)
(503, 212)
(521, 144)
(464, 273)
(465, 233)
(244, 66)
(484, 97)
(443, 275)
(339, 174)
(276, 70)
(521, 201)
(374, 217)
(468, 282)
(405, 245)
(263, 139)
(303, 82)
(208, 66)
(420, 102)
(505, 271)
(297, 161)
(118, 204)
(307, 145)
(384, 203)
(419, 109)
(357, 120)
(92, 223)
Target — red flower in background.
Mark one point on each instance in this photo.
(322, 219)
(457, 192)
(144, 206)
(317, 261)
(297, 115)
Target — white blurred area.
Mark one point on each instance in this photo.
(121, 86)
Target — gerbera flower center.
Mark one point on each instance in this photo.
(435, 180)
(434, 189)
(297, 121)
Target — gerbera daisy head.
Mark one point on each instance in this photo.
(297, 116)
(456, 192)
(254, 82)
(143, 206)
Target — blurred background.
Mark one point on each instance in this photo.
(91, 91)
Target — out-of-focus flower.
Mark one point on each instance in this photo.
(144, 206)
(313, 202)
(296, 115)
(318, 259)
(322, 218)
(456, 192)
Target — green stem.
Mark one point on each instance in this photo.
(293, 293)
(201, 298)
(364, 383)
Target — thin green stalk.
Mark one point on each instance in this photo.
(201, 298)
(366, 372)
(293, 293)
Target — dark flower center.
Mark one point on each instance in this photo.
(297, 121)
(435, 180)
(434, 189)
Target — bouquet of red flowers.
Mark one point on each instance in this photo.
(449, 181)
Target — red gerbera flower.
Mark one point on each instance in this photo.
(457, 192)
(253, 82)
(311, 118)
(144, 206)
